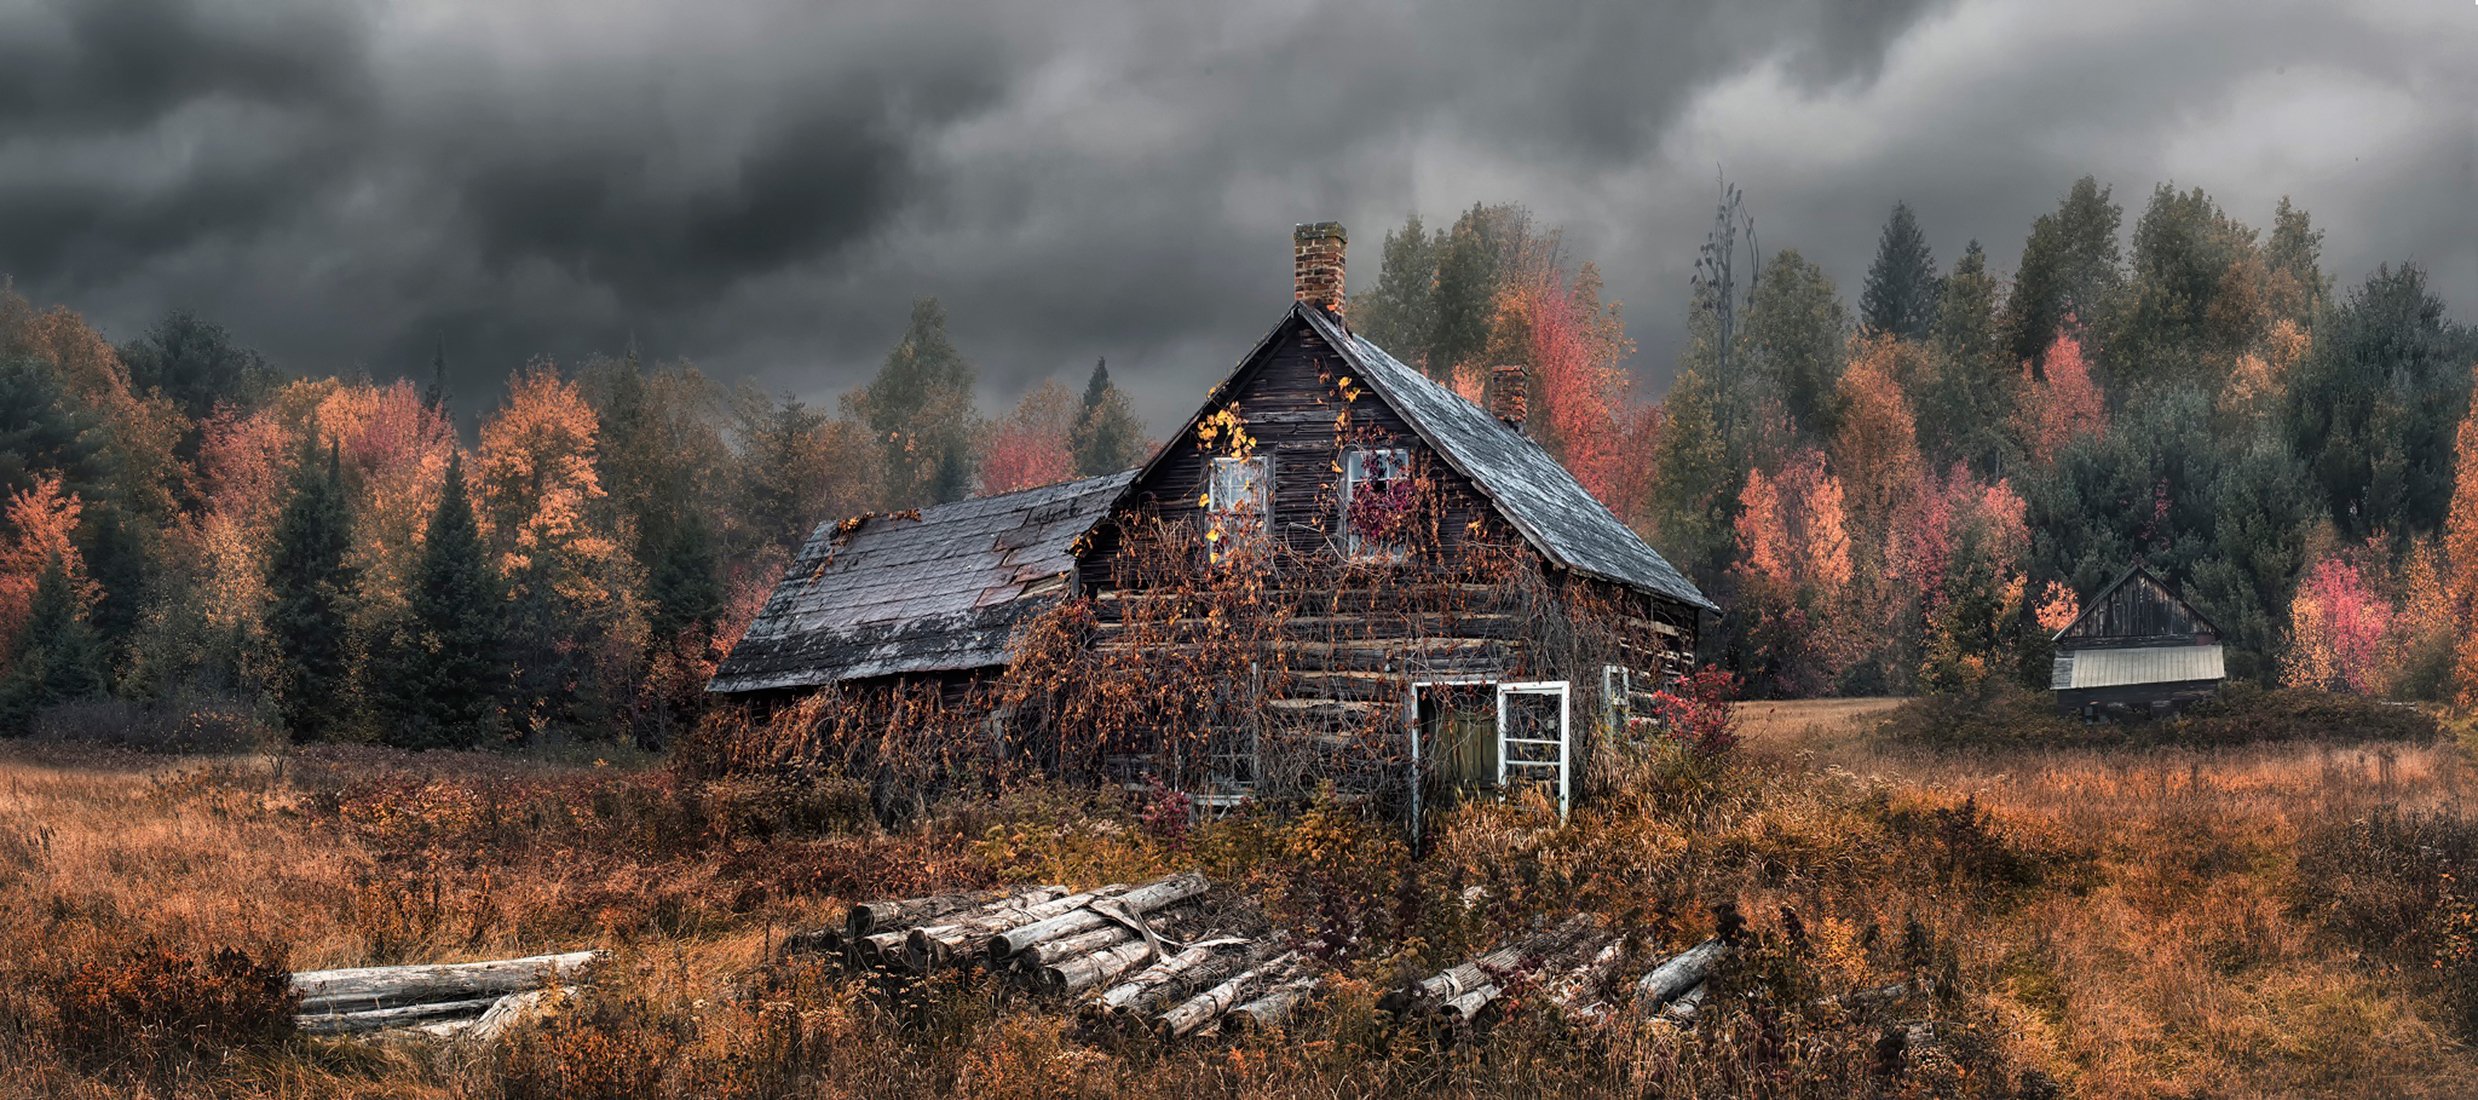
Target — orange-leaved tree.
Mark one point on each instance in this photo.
(42, 523)
(1034, 444)
(2461, 553)
(2061, 403)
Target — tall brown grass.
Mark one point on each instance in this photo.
(2103, 921)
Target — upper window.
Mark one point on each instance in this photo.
(1239, 502)
(1378, 500)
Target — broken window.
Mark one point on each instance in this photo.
(1239, 503)
(1378, 501)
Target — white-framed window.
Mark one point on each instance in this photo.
(1239, 502)
(1376, 501)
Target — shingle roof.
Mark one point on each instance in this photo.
(2104, 668)
(899, 595)
(1533, 490)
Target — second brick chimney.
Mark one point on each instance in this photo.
(1316, 267)
(1509, 393)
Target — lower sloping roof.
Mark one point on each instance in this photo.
(2106, 668)
(939, 590)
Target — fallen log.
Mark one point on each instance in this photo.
(1507, 958)
(1271, 1010)
(1559, 952)
(1586, 980)
(1143, 899)
(875, 916)
(929, 947)
(371, 988)
(502, 1016)
(1205, 1007)
(1682, 1011)
(1083, 972)
(1680, 973)
(1139, 990)
(382, 1019)
(1039, 955)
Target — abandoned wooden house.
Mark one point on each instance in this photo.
(1339, 571)
(2137, 649)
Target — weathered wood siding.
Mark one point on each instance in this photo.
(2141, 611)
(1290, 403)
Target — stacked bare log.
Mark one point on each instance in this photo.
(1459, 994)
(435, 998)
(1131, 950)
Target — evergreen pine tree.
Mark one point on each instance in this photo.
(920, 408)
(683, 578)
(444, 668)
(59, 659)
(312, 583)
(1901, 291)
(1107, 437)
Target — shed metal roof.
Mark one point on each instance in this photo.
(1532, 489)
(2107, 668)
(897, 595)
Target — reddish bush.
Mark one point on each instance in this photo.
(151, 997)
(1699, 711)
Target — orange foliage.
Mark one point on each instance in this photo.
(2461, 553)
(1877, 447)
(2338, 626)
(1031, 446)
(42, 520)
(1573, 346)
(2058, 607)
(1795, 570)
(535, 475)
(2065, 405)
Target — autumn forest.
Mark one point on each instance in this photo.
(1901, 493)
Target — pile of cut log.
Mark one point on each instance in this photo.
(478, 1000)
(1160, 958)
(1154, 957)
(1570, 965)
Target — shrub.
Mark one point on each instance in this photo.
(2398, 884)
(152, 998)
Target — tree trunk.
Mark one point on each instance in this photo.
(380, 1019)
(1584, 982)
(1271, 1010)
(1142, 988)
(367, 988)
(876, 916)
(1086, 971)
(1682, 972)
(1205, 1007)
(933, 946)
(1141, 900)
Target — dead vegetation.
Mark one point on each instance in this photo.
(2266, 919)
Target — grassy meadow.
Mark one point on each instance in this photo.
(2279, 917)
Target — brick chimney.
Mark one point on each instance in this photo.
(1316, 268)
(1509, 393)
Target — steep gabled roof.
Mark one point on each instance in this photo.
(2100, 599)
(902, 594)
(1532, 490)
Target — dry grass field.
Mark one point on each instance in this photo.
(2281, 918)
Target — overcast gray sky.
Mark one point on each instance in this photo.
(762, 186)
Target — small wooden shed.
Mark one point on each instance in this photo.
(2137, 649)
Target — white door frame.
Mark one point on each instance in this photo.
(1564, 742)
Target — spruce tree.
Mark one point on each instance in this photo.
(1107, 437)
(58, 659)
(312, 584)
(1900, 296)
(445, 666)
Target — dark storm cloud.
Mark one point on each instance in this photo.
(763, 187)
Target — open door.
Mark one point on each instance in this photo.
(1533, 745)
